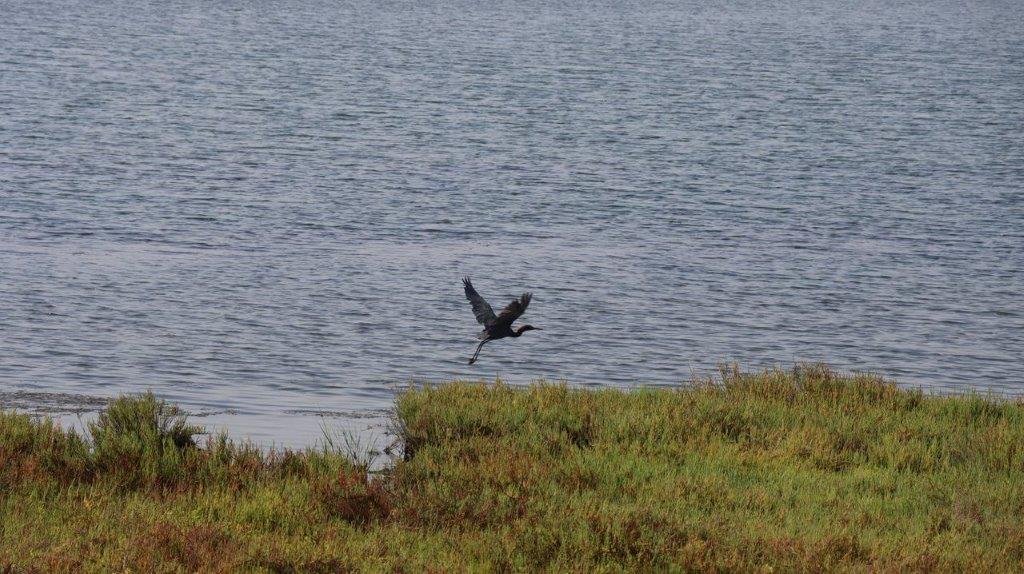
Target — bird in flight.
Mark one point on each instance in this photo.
(496, 326)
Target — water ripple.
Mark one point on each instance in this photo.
(263, 210)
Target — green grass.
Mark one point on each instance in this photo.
(801, 470)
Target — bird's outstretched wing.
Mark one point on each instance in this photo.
(514, 309)
(484, 313)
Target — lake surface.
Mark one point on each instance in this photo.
(262, 210)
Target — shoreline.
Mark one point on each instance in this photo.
(75, 411)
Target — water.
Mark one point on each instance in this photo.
(262, 210)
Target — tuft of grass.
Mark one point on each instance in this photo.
(32, 449)
(142, 439)
(798, 470)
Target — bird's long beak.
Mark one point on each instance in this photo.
(537, 329)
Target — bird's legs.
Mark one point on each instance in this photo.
(478, 347)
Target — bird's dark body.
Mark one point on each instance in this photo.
(497, 332)
(496, 326)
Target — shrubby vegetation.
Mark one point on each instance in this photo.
(800, 470)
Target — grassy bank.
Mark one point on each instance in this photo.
(803, 470)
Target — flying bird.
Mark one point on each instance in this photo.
(496, 326)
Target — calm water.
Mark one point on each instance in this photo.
(261, 210)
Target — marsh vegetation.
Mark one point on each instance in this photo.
(798, 470)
